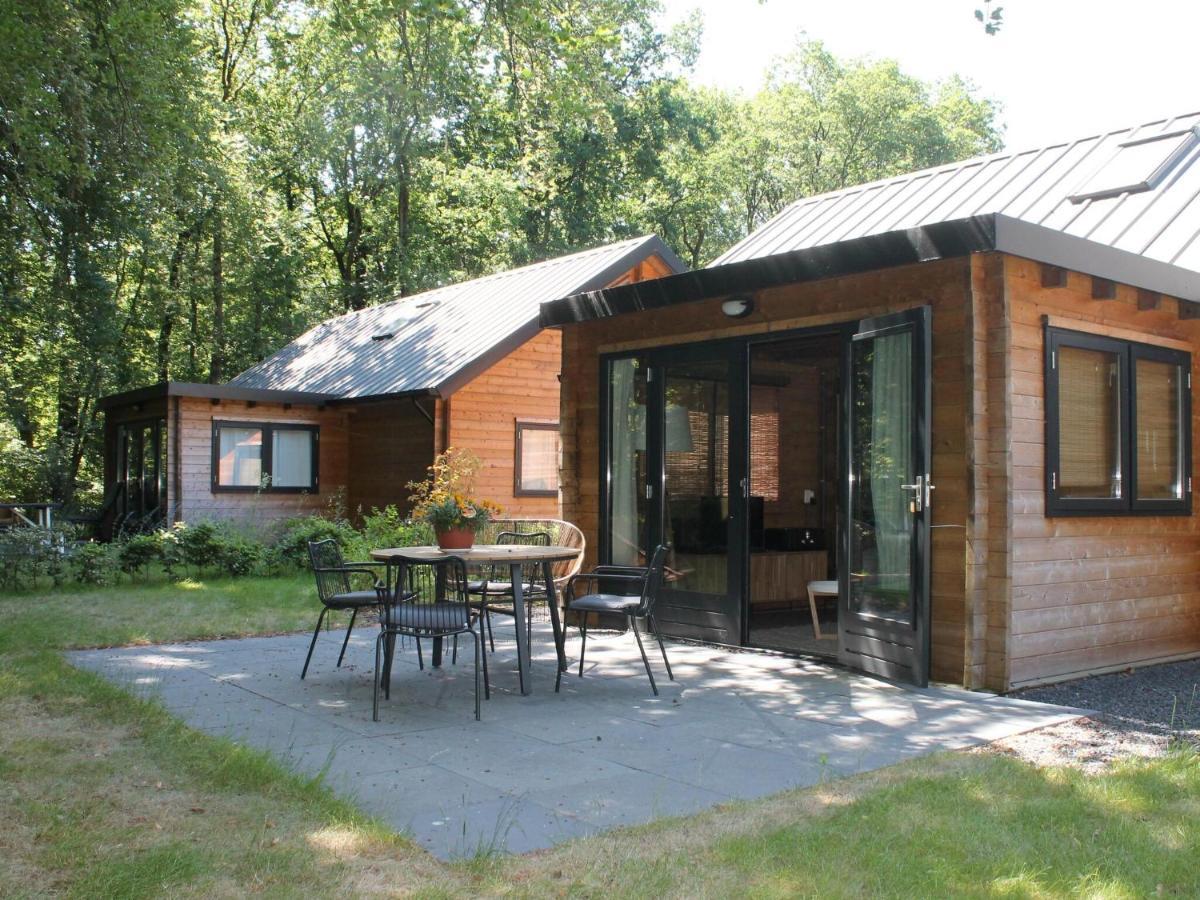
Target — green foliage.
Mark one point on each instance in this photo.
(27, 554)
(137, 553)
(292, 547)
(187, 185)
(95, 564)
(387, 528)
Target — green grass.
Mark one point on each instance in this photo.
(106, 795)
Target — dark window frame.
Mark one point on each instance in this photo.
(522, 425)
(1128, 353)
(268, 430)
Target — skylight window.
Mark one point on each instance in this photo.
(1137, 166)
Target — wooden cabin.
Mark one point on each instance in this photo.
(351, 411)
(957, 402)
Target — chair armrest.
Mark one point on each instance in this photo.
(597, 577)
(620, 570)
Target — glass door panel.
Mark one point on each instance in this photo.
(884, 626)
(628, 476)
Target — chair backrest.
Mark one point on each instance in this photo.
(440, 580)
(562, 534)
(654, 580)
(326, 560)
(530, 572)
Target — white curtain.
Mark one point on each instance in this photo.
(291, 458)
(891, 458)
(623, 445)
(240, 456)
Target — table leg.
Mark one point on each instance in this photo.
(552, 599)
(522, 635)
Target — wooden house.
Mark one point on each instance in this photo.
(961, 398)
(357, 407)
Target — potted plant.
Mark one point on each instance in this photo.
(446, 500)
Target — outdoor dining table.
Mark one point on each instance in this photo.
(514, 556)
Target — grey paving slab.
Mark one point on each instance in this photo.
(546, 768)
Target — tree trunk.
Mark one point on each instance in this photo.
(215, 372)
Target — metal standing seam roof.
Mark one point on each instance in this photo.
(1034, 186)
(435, 341)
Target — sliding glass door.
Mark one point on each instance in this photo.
(673, 476)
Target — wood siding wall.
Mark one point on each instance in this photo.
(199, 501)
(484, 413)
(944, 285)
(1086, 593)
(390, 444)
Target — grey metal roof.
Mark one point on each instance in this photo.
(1161, 223)
(442, 338)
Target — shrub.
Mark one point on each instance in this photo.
(135, 554)
(387, 528)
(27, 554)
(291, 550)
(93, 563)
(200, 544)
(238, 554)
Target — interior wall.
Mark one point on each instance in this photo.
(944, 285)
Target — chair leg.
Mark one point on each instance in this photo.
(454, 651)
(378, 677)
(583, 645)
(478, 650)
(346, 640)
(313, 642)
(645, 661)
(661, 646)
(420, 658)
(487, 618)
(487, 688)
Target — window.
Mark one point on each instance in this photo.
(1136, 166)
(1118, 426)
(254, 456)
(537, 459)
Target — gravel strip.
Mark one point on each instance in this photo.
(1139, 713)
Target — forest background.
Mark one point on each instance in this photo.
(186, 185)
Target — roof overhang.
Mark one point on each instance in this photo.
(211, 392)
(927, 243)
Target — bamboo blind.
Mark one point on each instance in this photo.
(1089, 423)
(1158, 424)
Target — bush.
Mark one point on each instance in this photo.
(27, 554)
(135, 554)
(95, 564)
(291, 550)
(238, 554)
(387, 528)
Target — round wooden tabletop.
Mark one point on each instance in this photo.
(480, 553)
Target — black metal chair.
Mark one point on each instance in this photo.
(335, 590)
(496, 583)
(428, 600)
(641, 586)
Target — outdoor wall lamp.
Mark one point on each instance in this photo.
(738, 306)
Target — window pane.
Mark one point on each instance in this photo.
(1089, 420)
(240, 452)
(291, 458)
(1159, 474)
(539, 459)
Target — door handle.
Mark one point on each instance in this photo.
(921, 493)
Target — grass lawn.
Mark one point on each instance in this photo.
(102, 794)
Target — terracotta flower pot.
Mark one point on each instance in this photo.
(456, 539)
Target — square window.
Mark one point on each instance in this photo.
(253, 456)
(536, 466)
(1118, 426)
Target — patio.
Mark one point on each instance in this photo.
(545, 768)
